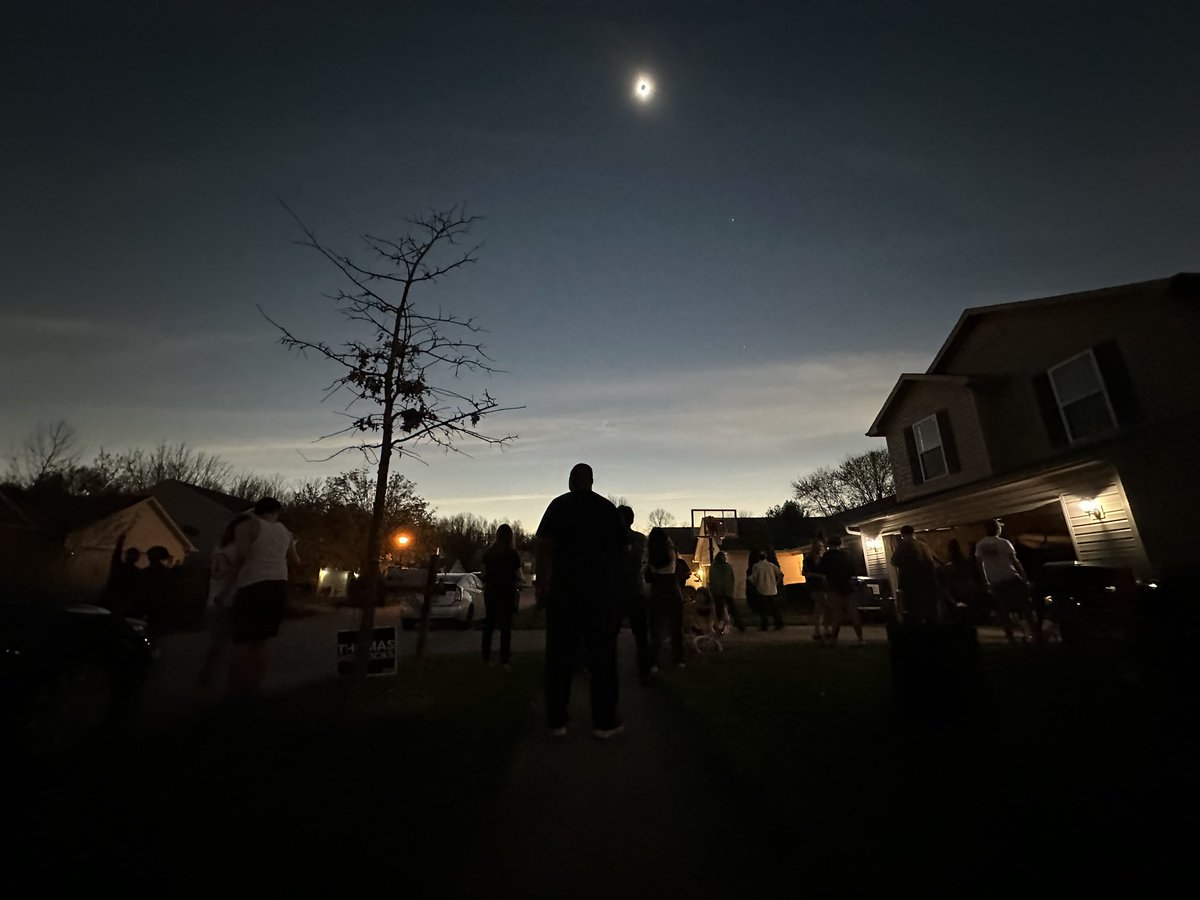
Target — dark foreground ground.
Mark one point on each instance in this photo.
(776, 770)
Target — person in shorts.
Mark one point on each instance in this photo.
(1007, 582)
(264, 549)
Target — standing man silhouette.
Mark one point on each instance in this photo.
(580, 542)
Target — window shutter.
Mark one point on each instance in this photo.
(1118, 383)
(949, 447)
(1051, 417)
(914, 461)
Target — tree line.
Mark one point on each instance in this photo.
(331, 515)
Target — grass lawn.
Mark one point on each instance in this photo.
(300, 785)
(1068, 775)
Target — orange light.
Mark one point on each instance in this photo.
(402, 540)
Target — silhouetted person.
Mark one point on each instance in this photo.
(960, 580)
(918, 577)
(631, 591)
(123, 589)
(767, 579)
(721, 586)
(818, 590)
(501, 586)
(838, 570)
(580, 541)
(222, 578)
(666, 596)
(1007, 582)
(264, 548)
(159, 589)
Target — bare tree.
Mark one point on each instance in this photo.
(251, 486)
(395, 404)
(856, 481)
(50, 449)
(660, 518)
(139, 470)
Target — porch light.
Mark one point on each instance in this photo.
(1092, 507)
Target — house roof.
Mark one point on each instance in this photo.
(902, 383)
(61, 514)
(996, 496)
(1185, 283)
(230, 502)
(56, 511)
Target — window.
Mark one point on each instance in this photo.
(1082, 399)
(932, 456)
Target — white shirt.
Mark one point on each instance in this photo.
(765, 576)
(267, 558)
(996, 555)
(220, 575)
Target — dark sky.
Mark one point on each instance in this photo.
(704, 295)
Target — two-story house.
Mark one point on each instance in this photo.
(1075, 419)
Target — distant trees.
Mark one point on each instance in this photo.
(856, 481)
(660, 518)
(50, 457)
(332, 516)
(788, 509)
(50, 450)
(465, 536)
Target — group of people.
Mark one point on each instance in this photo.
(931, 588)
(595, 574)
(829, 574)
(140, 592)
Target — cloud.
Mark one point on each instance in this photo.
(51, 326)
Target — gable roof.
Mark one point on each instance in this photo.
(230, 502)
(1185, 284)
(61, 514)
(876, 429)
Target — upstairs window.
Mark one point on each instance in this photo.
(930, 451)
(1083, 401)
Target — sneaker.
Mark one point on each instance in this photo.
(560, 732)
(604, 734)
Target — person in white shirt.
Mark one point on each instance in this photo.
(1007, 582)
(264, 548)
(767, 577)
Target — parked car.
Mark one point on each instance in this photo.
(1092, 603)
(459, 599)
(67, 670)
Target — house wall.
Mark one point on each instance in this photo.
(1112, 539)
(1155, 332)
(921, 399)
(89, 550)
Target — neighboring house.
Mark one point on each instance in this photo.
(1071, 417)
(202, 514)
(68, 541)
